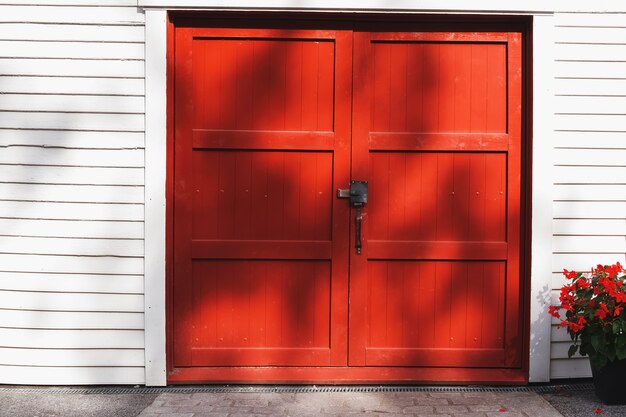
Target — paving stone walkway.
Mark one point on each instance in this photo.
(384, 404)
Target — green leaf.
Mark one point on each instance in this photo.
(572, 351)
(596, 342)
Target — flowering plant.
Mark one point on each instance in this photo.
(595, 316)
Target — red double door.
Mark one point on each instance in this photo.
(267, 283)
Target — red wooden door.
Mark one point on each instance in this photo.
(437, 135)
(262, 130)
(269, 123)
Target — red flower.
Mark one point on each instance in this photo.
(602, 311)
(554, 311)
(569, 274)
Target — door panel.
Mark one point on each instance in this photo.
(436, 134)
(268, 124)
(262, 141)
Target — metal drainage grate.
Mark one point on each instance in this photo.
(291, 389)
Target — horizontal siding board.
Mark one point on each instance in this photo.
(590, 105)
(590, 35)
(589, 175)
(590, 20)
(72, 357)
(58, 301)
(595, 70)
(590, 192)
(590, 87)
(74, 15)
(69, 139)
(590, 52)
(73, 157)
(589, 244)
(590, 210)
(570, 368)
(71, 193)
(593, 123)
(591, 157)
(72, 68)
(559, 351)
(73, 229)
(586, 140)
(71, 32)
(71, 175)
(68, 246)
(70, 320)
(72, 85)
(70, 211)
(596, 227)
(72, 121)
(70, 264)
(582, 262)
(79, 283)
(73, 50)
(69, 103)
(72, 339)
(37, 375)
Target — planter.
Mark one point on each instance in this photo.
(610, 382)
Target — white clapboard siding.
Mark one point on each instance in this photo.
(72, 339)
(69, 140)
(102, 375)
(559, 350)
(584, 261)
(589, 210)
(70, 211)
(591, 52)
(590, 105)
(591, 122)
(71, 103)
(587, 20)
(71, 67)
(583, 69)
(589, 227)
(71, 193)
(60, 301)
(589, 175)
(593, 157)
(69, 228)
(71, 357)
(590, 192)
(74, 283)
(73, 50)
(601, 140)
(71, 33)
(591, 87)
(71, 264)
(89, 15)
(589, 244)
(78, 283)
(591, 35)
(72, 157)
(570, 368)
(26, 319)
(67, 85)
(71, 175)
(72, 121)
(71, 246)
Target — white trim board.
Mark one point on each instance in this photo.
(156, 111)
(528, 7)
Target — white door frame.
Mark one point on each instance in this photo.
(156, 151)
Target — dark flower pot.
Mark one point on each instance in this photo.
(610, 382)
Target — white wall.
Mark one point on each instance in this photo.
(71, 192)
(590, 155)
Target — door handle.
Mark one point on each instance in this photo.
(357, 193)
